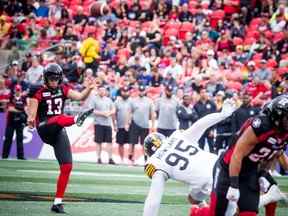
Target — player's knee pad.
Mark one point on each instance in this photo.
(247, 213)
(66, 168)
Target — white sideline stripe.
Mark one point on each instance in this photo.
(77, 173)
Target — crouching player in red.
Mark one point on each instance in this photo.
(236, 173)
(45, 111)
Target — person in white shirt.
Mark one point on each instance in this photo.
(35, 72)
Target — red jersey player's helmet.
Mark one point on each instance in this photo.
(277, 111)
(152, 142)
(54, 72)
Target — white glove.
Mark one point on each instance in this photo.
(229, 106)
(264, 184)
(233, 194)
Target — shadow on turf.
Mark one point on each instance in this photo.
(38, 197)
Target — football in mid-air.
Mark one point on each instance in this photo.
(99, 9)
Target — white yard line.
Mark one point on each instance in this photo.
(77, 173)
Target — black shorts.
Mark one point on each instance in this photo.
(249, 191)
(136, 132)
(56, 136)
(122, 136)
(166, 132)
(103, 134)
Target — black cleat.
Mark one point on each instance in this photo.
(21, 158)
(111, 161)
(99, 161)
(82, 116)
(59, 208)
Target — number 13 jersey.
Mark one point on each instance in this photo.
(51, 102)
(183, 161)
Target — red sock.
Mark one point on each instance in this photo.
(62, 120)
(270, 209)
(63, 178)
(196, 211)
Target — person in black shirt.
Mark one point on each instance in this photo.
(244, 112)
(203, 107)
(186, 113)
(16, 120)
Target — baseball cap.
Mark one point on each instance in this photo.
(15, 62)
(251, 63)
(141, 87)
(169, 88)
(18, 88)
(263, 61)
(125, 88)
(220, 93)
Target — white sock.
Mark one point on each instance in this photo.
(57, 201)
(264, 200)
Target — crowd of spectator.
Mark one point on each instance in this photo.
(205, 49)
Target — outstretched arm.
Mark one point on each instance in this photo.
(153, 200)
(199, 127)
(74, 95)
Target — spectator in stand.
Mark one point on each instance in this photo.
(263, 74)
(42, 10)
(4, 30)
(157, 78)
(14, 54)
(203, 107)
(162, 9)
(69, 34)
(146, 13)
(80, 18)
(57, 11)
(154, 37)
(174, 68)
(103, 111)
(13, 7)
(166, 109)
(186, 113)
(4, 95)
(214, 85)
(185, 15)
(138, 39)
(34, 74)
(212, 62)
(224, 42)
(27, 63)
(122, 105)
(141, 110)
(111, 32)
(134, 11)
(90, 52)
(16, 120)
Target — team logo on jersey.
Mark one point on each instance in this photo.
(46, 94)
(256, 123)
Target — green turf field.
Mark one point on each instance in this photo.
(27, 187)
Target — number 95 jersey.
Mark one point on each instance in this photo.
(51, 102)
(183, 161)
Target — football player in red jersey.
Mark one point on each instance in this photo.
(45, 111)
(235, 176)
